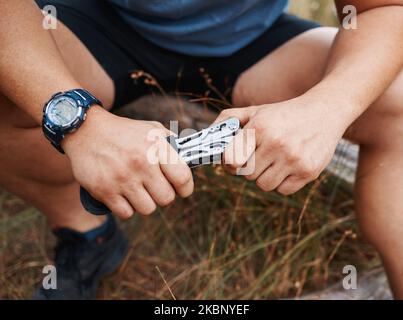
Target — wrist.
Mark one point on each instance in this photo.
(339, 99)
(339, 109)
(94, 116)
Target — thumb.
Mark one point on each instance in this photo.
(240, 149)
(243, 114)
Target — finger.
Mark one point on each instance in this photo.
(240, 149)
(160, 128)
(291, 185)
(119, 206)
(272, 177)
(158, 133)
(175, 170)
(243, 114)
(159, 188)
(256, 164)
(180, 177)
(140, 200)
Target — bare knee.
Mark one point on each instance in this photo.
(25, 154)
(13, 117)
(381, 125)
(287, 72)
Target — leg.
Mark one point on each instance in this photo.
(290, 71)
(31, 168)
(379, 182)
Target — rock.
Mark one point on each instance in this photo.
(167, 109)
(372, 286)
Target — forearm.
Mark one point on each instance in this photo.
(31, 67)
(362, 63)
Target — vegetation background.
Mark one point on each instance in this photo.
(228, 241)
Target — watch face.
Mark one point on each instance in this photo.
(62, 111)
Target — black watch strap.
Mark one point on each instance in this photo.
(56, 135)
(85, 96)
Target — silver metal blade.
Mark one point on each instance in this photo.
(207, 145)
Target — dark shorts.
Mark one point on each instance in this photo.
(121, 51)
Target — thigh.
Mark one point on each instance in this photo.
(297, 66)
(288, 71)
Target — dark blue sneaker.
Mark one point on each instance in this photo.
(82, 263)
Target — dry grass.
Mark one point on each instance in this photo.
(228, 241)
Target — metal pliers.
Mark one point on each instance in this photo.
(200, 148)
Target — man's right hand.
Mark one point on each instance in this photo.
(109, 158)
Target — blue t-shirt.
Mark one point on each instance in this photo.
(201, 27)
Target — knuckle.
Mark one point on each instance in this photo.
(121, 175)
(285, 191)
(307, 170)
(156, 124)
(188, 192)
(292, 157)
(138, 162)
(125, 213)
(170, 198)
(167, 198)
(101, 190)
(316, 175)
(119, 209)
(263, 185)
(250, 177)
(225, 112)
(147, 210)
(277, 142)
(184, 178)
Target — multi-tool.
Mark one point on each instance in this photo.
(200, 148)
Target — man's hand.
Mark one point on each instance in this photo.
(294, 141)
(110, 157)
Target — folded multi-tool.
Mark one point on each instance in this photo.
(200, 148)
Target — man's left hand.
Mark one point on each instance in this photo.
(294, 141)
